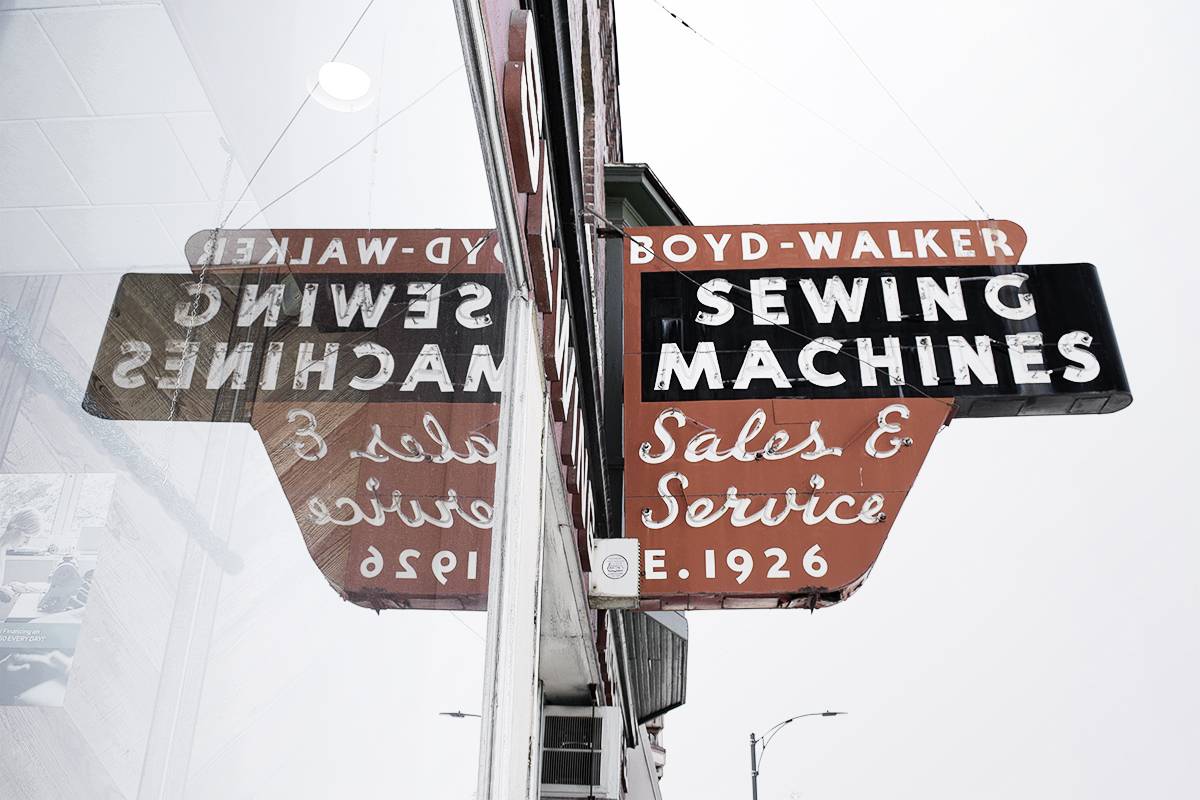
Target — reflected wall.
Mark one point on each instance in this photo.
(216, 658)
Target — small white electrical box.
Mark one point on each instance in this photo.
(616, 581)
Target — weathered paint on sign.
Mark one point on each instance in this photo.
(370, 366)
(748, 503)
(994, 338)
(857, 244)
(784, 383)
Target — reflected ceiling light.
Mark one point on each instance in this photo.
(343, 81)
(342, 87)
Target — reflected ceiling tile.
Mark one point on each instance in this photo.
(200, 135)
(30, 245)
(36, 84)
(31, 173)
(127, 59)
(14, 5)
(183, 219)
(125, 159)
(115, 238)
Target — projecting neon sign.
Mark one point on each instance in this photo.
(843, 350)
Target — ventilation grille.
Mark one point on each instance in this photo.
(571, 750)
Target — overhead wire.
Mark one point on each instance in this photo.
(372, 133)
(463, 622)
(303, 103)
(814, 113)
(347, 151)
(684, 23)
(375, 143)
(892, 97)
(735, 643)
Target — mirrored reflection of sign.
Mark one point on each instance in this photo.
(369, 362)
(51, 526)
(784, 384)
(403, 492)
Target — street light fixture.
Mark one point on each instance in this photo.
(456, 714)
(755, 758)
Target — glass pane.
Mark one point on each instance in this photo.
(219, 159)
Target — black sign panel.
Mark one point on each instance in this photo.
(178, 348)
(1000, 341)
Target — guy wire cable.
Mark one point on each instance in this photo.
(303, 103)
(892, 97)
(823, 119)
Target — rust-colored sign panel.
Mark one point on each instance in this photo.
(849, 244)
(400, 503)
(783, 384)
(745, 489)
(369, 363)
(325, 250)
(750, 503)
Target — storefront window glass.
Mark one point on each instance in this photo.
(177, 442)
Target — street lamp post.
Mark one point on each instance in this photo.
(765, 739)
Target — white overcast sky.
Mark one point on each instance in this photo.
(1031, 628)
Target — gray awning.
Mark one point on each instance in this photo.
(658, 659)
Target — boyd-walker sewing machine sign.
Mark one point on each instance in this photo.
(369, 363)
(783, 385)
